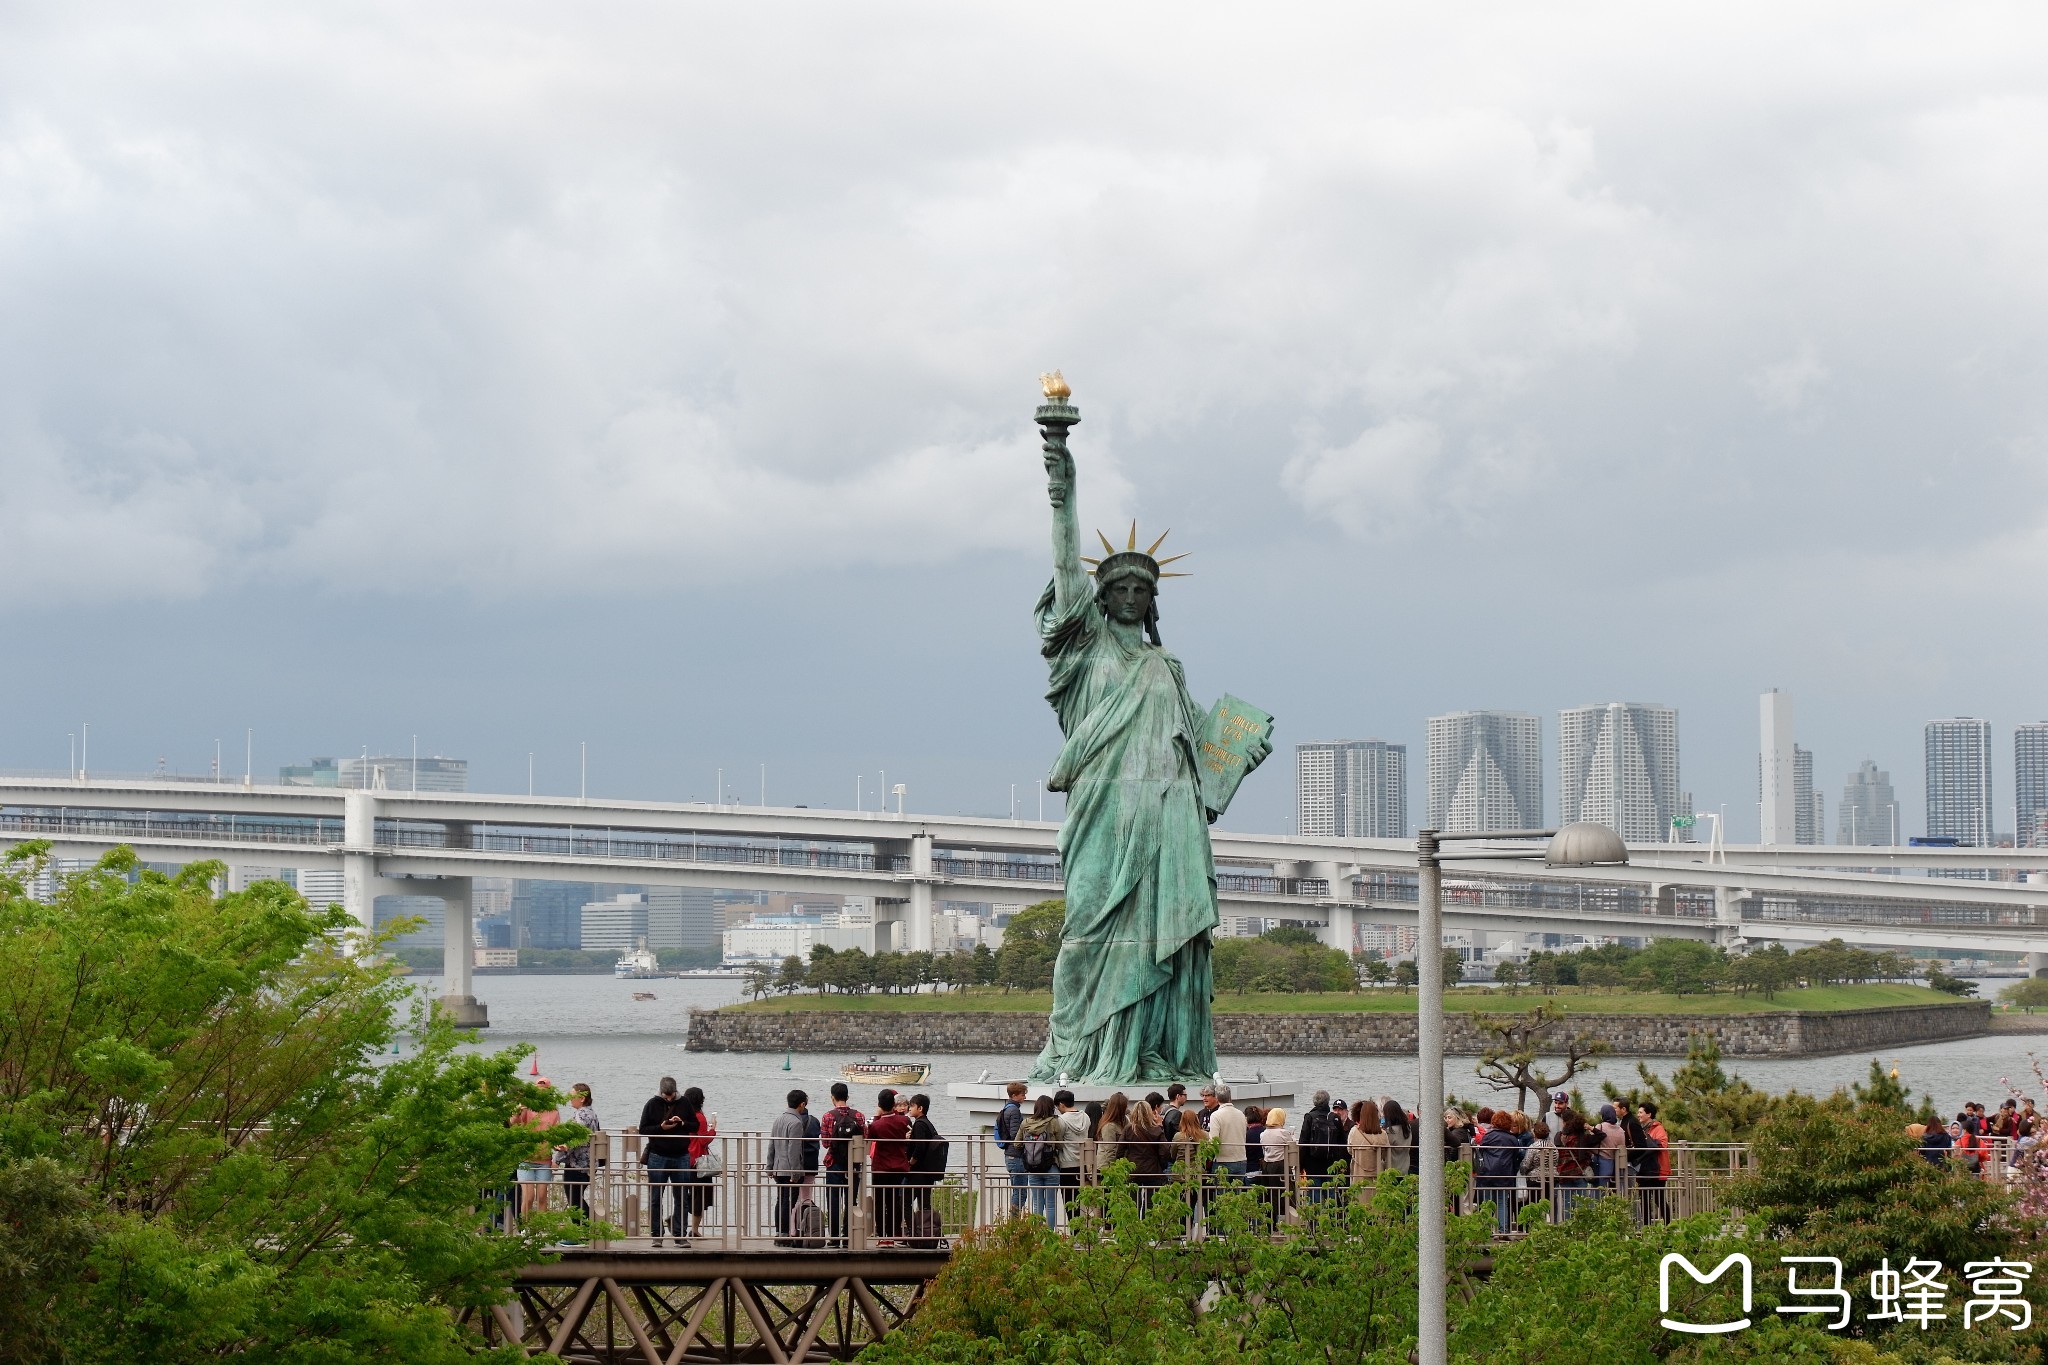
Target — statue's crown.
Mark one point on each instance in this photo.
(1114, 561)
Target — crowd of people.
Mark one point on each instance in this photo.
(1052, 1145)
(1980, 1142)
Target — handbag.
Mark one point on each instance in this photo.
(711, 1163)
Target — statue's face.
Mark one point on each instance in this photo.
(1127, 600)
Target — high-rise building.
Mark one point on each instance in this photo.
(1617, 765)
(683, 917)
(1870, 809)
(1352, 789)
(549, 914)
(1959, 781)
(1806, 802)
(1778, 805)
(2030, 784)
(615, 925)
(1485, 771)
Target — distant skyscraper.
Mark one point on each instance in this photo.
(1959, 780)
(1869, 808)
(1353, 789)
(1806, 802)
(549, 914)
(1617, 765)
(2030, 784)
(403, 772)
(1485, 771)
(1779, 804)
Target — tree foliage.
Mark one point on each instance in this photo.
(205, 1149)
(1284, 960)
(1516, 1043)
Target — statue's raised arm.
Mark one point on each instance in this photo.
(1055, 418)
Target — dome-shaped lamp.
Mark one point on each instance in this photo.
(1585, 845)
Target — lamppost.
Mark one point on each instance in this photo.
(1579, 845)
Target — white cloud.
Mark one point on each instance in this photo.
(1373, 486)
(1787, 385)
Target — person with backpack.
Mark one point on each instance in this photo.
(1007, 1123)
(841, 1127)
(889, 1159)
(786, 1167)
(928, 1154)
(1038, 1144)
(1641, 1163)
(1322, 1145)
(1576, 1148)
(1368, 1150)
(1496, 1162)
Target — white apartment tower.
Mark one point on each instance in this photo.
(1352, 789)
(1959, 780)
(2030, 784)
(1617, 765)
(1485, 771)
(1809, 806)
(1779, 806)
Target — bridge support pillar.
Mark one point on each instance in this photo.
(2037, 964)
(359, 859)
(1727, 916)
(919, 911)
(458, 952)
(1340, 932)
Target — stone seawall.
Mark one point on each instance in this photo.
(1783, 1033)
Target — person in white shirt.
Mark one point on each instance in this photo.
(1227, 1125)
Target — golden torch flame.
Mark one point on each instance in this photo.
(1055, 387)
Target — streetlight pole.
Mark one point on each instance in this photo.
(1432, 1280)
(1579, 845)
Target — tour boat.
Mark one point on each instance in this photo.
(643, 995)
(872, 1072)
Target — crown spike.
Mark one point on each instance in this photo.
(1176, 575)
(1132, 544)
(1090, 559)
(1107, 548)
(1170, 558)
(1153, 548)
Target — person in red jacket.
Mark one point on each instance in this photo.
(889, 1159)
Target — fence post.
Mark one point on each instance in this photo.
(629, 1159)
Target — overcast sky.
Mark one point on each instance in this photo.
(659, 376)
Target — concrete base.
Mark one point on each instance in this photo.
(465, 1011)
(983, 1100)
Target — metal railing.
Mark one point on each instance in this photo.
(733, 1202)
(148, 826)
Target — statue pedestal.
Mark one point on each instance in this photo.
(983, 1100)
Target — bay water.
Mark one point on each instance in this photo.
(591, 1029)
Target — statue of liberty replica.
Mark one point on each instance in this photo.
(1145, 771)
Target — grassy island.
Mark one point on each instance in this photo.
(1570, 999)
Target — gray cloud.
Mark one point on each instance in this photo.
(1696, 307)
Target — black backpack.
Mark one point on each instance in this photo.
(1498, 1160)
(1319, 1128)
(1040, 1152)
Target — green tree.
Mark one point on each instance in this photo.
(1031, 944)
(282, 1188)
(1376, 969)
(1406, 974)
(791, 976)
(1949, 985)
(984, 965)
(1515, 1043)
(1701, 1102)
(2029, 995)
(759, 979)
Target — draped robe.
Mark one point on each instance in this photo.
(1131, 987)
